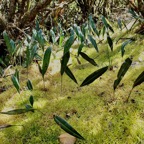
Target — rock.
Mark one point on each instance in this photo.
(67, 139)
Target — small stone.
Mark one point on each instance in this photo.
(67, 139)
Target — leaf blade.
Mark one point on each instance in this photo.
(93, 76)
(122, 71)
(86, 57)
(139, 80)
(70, 74)
(93, 42)
(67, 127)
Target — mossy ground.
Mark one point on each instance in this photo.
(98, 113)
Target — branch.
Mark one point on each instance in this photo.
(30, 16)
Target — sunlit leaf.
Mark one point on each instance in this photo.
(16, 74)
(93, 42)
(79, 32)
(124, 45)
(70, 74)
(123, 69)
(53, 36)
(93, 25)
(67, 127)
(92, 77)
(139, 80)
(61, 38)
(86, 57)
(15, 83)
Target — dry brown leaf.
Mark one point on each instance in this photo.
(67, 139)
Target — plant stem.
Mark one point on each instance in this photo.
(129, 95)
(27, 72)
(44, 83)
(61, 85)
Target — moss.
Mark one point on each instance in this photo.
(97, 112)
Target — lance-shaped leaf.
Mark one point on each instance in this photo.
(123, 69)
(110, 42)
(31, 100)
(46, 60)
(17, 111)
(7, 41)
(92, 77)
(86, 57)
(119, 24)
(79, 32)
(29, 85)
(106, 24)
(16, 83)
(124, 45)
(80, 48)
(41, 39)
(93, 25)
(67, 127)
(93, 42)
(7, 126)
(84, 29)
(64, 62)
(53, 36)
(13, 47)
(61, 38)
(70, 74)
(69, 43)
(16, 74)
(139, 80)
(110, 28)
